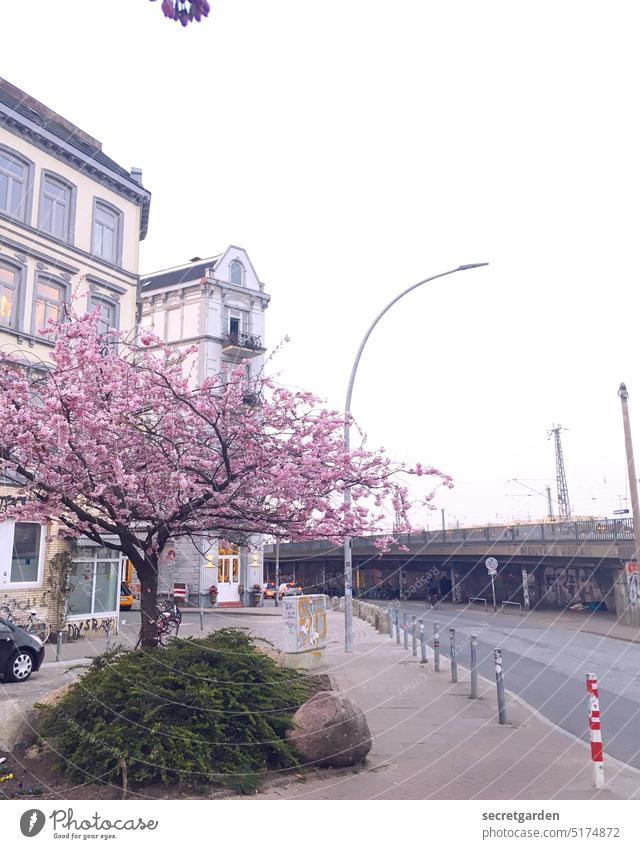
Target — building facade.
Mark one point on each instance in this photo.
(216, 305)
(71, 221)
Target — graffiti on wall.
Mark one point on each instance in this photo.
(90, 627)
(633, 583)
(567, 585)
(23, 605)
(305, 623)
(312, 622)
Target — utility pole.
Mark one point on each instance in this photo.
(561, 477)
(275, 597)
(631, 469)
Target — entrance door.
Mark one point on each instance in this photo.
(228, 574)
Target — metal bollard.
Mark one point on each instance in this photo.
(454, 662)
(436, 647)
(201, 618)
(390, 622)
(414, 637)
(397, 627)
(405, 628)
(502, 706)
(59, 645)
(423, 644)
(474, 667)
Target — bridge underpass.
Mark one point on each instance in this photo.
(549, 565)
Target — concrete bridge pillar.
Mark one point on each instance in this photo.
(626, 588)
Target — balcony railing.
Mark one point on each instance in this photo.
(242, 340)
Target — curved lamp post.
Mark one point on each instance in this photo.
(348, 571)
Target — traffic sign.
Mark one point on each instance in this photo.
(492, 565)
(620, 512)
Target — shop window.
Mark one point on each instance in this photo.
(95, 582)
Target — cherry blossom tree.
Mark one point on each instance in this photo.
(114, 442)
(185, 11)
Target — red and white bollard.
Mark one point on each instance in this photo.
(595, 732)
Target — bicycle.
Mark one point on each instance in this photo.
(175, 614)
(32, 624)
(167, 623)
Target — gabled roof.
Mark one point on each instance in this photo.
(190, 272)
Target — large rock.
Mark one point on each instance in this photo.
(330, 730)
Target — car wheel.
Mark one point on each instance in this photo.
(19, 667)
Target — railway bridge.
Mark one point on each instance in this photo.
(549, 564)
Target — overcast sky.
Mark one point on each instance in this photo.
(355, 147)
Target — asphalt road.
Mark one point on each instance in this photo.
(547, 667)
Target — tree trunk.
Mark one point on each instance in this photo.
(148, 605)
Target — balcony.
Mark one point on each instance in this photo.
(242, 346)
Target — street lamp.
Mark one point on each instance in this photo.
(348, 571)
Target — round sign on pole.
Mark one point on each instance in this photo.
(492, 565)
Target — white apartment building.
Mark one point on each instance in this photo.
(218, 305)
(71, 220)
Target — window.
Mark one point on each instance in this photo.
(236, 273)
(108, 319)
(21, 553)
(8, 295)
(237, 321)
(13, 185)
(49, 301)
(26, 550)
(55, 207)
(105, 238)
(95, 582)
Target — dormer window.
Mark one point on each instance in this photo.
(236, 273)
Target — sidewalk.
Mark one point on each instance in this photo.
(431, 741)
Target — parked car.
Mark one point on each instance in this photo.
(269, 590)
(20, 653)
(126, 596)
(289, 588)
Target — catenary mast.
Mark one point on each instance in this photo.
(564, 506)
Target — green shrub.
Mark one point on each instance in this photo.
(200, 710)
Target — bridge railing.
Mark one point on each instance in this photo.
(596, 530)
